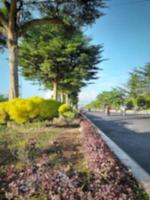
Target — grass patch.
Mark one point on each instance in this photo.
(29, 146)
(22, 145)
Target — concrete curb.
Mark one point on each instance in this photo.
(138, 172)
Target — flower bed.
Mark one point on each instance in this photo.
(43, 182)
(50, 177)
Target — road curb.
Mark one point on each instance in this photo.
(138, 172)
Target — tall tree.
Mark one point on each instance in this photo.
(114, 98)
(18, 16)
(57, 62)
(135, 83)
(146, 79)
(135, 94)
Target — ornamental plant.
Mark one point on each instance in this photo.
(36, 102)
(43, 181)
(3, 113)
(48, 109)
(67, 113)
(23, 110)
(20, 110)
(64, 108)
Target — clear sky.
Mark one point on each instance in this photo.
(124, 32)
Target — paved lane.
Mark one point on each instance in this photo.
(131, 133)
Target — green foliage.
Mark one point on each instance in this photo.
(64, 108)
(49, 109)
(76, 13)
(20, 16)
(94, 105)
(138, 86)
(130, 104)
(21, 144)
(70, 14)
(23, 110)
(36, 101)
(135, 95)
(114, 98)
(69, 114)
(135, 83)
(141, 102)
(148, 102)
(69, 63)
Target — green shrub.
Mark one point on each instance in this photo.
(49, 109)
(37, 109)
(69, 114)
(64, 108)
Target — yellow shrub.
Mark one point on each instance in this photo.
(36, 105)
(23, 110)
(36, 99)
(20, 110)
(3, 112)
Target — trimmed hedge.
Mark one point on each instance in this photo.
(23, 110)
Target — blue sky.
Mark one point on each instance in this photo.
(124, 32)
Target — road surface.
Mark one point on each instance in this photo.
(131, 133)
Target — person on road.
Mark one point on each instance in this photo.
(107, 110)
(123, 110)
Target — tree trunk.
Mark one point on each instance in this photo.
(13, 65)
(61, 97)
(66, 98)
(55, 90)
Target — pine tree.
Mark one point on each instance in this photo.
(59, 62)
(19, 16)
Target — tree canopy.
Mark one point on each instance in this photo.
(136, 94)
(58, 61)
(19, 16)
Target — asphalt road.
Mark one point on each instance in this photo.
(130, 132)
